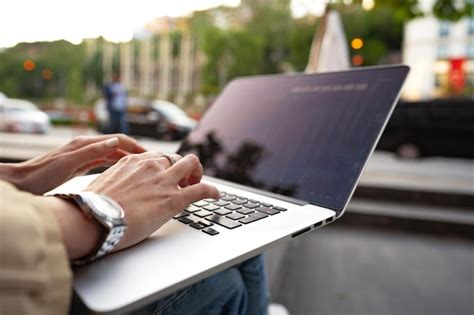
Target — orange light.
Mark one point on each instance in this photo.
(357, 60)
(47, 74)
(357, 43)
(29, 65)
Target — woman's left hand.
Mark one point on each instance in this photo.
(77, 157)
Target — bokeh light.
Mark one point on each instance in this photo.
(357, 60)
(29, 65)
(357, 43)
(47, 74)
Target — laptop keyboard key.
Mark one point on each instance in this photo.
(250, 205)
(266, 204)
(202, 213)
(228, 198)
(210, 200)
(223, 221)
(186, 220)
(239, 201)
(211, 207)
(201, 203)
(222, 211)
(221, 203)
(182, 214)
(245, 211)
(210, 231)
(192, 209)
(253, 217)
(266, 210)
(197, 225)
(232, 207)
(206, 224)
(235, 216)
(279, 208)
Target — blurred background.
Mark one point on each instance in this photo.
(405, 245)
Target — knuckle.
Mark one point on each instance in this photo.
(149, 164)
(193, 159)
(78, 140)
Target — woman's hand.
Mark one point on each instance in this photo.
(79, 156)
(151, 191)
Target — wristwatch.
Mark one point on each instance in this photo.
(109, 216)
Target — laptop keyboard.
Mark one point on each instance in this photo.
(231, 211)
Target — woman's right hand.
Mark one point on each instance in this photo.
(151, 191)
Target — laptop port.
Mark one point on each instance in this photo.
(301, 232)
(329, 220)
(318, 224)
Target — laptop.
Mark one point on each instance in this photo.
(286, 153)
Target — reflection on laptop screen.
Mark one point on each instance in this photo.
(303, 136)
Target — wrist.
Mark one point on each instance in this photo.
(80, 234)
(11, 172)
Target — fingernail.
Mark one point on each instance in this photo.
(112, 142)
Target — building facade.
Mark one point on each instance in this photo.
(441, 57)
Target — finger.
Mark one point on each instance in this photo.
(199, 191)
(187, 166)
(92, 152)
(169, 159)
(126, 143)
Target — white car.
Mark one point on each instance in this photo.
(22, 116)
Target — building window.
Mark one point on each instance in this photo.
(471, 27)
(443, 28)
(470, 51)
(442, 52)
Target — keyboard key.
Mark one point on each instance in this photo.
(211, 207)
(266, 204)
(239, 201)
(182, 214)
(253, 217)
(223, 221)
(210, 231)
(197, 225)
(235, 216)
(206, 224)
(222, 211)
(267, 210)
(279, 208)
(250, 205)
(192, 209)
(228, 198)
(245, 211)
(232, 207)
(221, 203)
(254, 201)
(201, 203)
(202, 213)
(185, 220)
(210, 200)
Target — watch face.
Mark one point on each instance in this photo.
(105, 207)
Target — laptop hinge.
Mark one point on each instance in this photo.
(258, 191)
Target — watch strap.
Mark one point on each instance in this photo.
(110, 235)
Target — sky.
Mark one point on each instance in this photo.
(48, 20)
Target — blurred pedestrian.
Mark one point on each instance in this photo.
(115, 95)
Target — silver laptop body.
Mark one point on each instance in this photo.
(297, 143)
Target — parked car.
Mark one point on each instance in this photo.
(431, 128)
(156, 118)
(22, 116)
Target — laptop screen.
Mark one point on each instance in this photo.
(302, 136)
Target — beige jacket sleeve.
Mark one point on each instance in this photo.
(35, 277)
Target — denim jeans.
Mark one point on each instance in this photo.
(239, 290)
(118, 122)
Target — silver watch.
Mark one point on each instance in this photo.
(107, 213)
